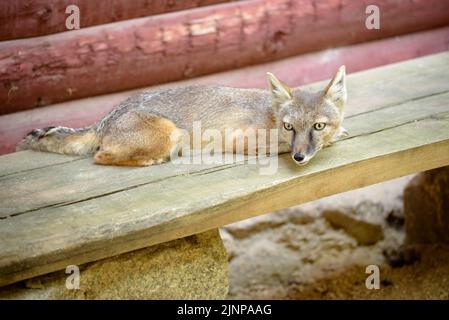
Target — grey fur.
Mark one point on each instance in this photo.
(215, 107)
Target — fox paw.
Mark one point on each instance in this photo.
(342, 133)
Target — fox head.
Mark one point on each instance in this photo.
(309, 121)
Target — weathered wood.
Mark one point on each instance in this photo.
(148, 51)
(25, 18)
(294, 71)
(15, 163)
(80, 212)
(78, 180)
(46, 240)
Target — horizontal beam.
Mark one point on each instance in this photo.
(159, 49)
(79, 212)
(42, 191)
(25, 18)
(294, 71)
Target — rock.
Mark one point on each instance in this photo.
(247, 228)
(395, 219)
(366, 233)
(401, 256)
(229, 244)
(369, 211)
(426, 207)
(194, 267)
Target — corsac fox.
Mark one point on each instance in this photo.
(141, 130)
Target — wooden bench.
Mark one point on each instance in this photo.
(58, 210)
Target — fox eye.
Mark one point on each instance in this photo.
(319, 126)
(288, 126)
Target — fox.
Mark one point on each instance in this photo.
(144, 129)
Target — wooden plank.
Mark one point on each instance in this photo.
(145, 206)
(159, 49)
(171, 208)
(395, 83)
(80, 180)
(29, 160)
(25, 19)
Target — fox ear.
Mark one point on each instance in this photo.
(279, 91)
(336, 89)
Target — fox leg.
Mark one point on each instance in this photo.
(109, 158)
(138, 139)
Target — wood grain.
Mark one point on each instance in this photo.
(78, 180)
(74, 212)
(25, 18)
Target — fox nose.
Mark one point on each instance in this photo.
(298, 157)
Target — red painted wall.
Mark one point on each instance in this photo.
(142, 52)
(31, 18)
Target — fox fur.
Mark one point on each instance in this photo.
(140, 131)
